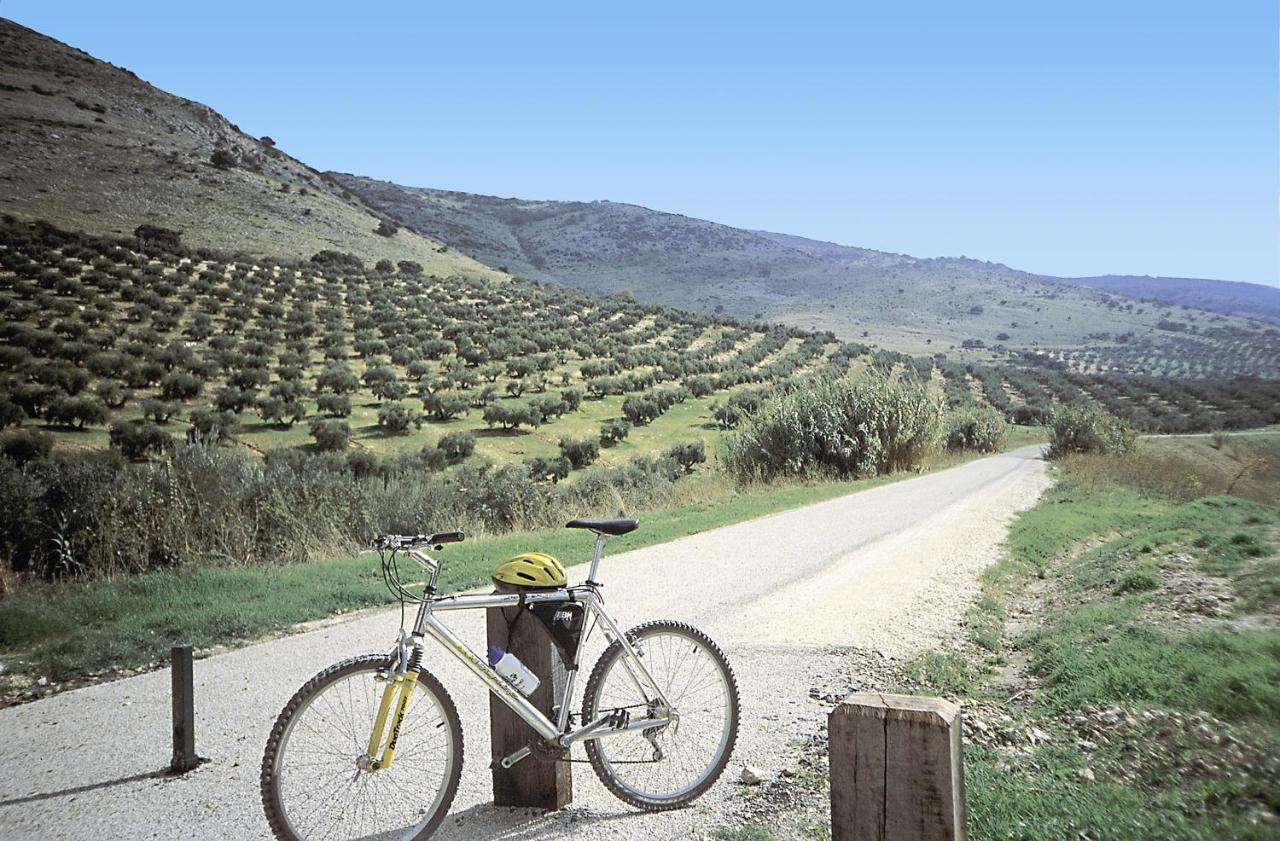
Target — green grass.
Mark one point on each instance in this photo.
(1040, 798)
(1097, 645)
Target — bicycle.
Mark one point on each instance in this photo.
(372, 746)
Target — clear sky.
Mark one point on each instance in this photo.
(1127, 136)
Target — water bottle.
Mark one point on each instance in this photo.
(513, 671)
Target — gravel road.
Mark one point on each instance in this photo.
(889, 569)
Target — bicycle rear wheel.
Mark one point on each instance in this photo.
(696, 678)
(312, 786)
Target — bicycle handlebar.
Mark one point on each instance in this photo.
(417, 541)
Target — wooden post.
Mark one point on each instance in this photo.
(184, 714)
(531, 782)
(897, 772)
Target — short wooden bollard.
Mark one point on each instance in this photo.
(184, 713)
(897, 771)
(531, 782)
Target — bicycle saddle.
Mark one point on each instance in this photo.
(612, 527)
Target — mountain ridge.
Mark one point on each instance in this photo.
(968, 308)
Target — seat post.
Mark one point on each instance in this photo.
(595, 559)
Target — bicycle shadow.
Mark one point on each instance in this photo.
(484, 820)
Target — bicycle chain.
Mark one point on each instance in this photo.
(544, 752)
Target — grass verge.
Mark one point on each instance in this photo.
(1138, 592)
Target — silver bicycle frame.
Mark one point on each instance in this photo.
(587, 594)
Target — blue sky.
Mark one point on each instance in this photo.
(1068, 138)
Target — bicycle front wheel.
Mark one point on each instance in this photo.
(313, 785)
(670, 766)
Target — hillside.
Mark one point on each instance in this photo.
(1252, 300)
(90, 146)
(893, 300)
(99, 337)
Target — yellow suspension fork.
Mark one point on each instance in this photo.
(396, 696)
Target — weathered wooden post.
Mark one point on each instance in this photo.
(184, 714)
(531, 782)
(897, 771)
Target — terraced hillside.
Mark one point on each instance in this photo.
(965, 308)
(131, 342)
(90, 146)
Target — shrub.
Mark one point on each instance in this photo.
(836, 426)
(640, 410)
(572, 398)
(163, 239)
(338, 379)
(457, 446)
(180, 385)
(1088, 428)
(11, 413)
(512, 417)
(210, 426)
(979, 428)
(223, 159)
(137, 439)
(1030, 415)
(330, 435)
(24, 445)
(396, 418)
(159, 411)
(386, 229)
(613, 432)
(579, 453)
(688, 455)
(76, 411)
(335, 405)
(442, 407)
(548, 469)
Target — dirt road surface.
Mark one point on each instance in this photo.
(891, 569)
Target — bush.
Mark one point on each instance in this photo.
(180, 386)
(396, 418)
(1088, 429)
(548, 469)
(24, 445)
(836, 426)
(1030, 415)
(688, 455)
(209, 426)
(331, 435)
(163, 239)
(457, 446)
(579, 453)
(640, 410)
(11, 413)
(159, 411)
(335, 405)
(979, 428)
(76, 411)
(443, 407)
(223, 159)
(138, 439)
(613, 433)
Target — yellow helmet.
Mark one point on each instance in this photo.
(531, 569)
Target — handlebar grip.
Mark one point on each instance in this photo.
(448, 537)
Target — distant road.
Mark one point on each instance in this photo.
(891, 569)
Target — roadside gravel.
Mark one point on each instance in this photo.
(790, 597)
